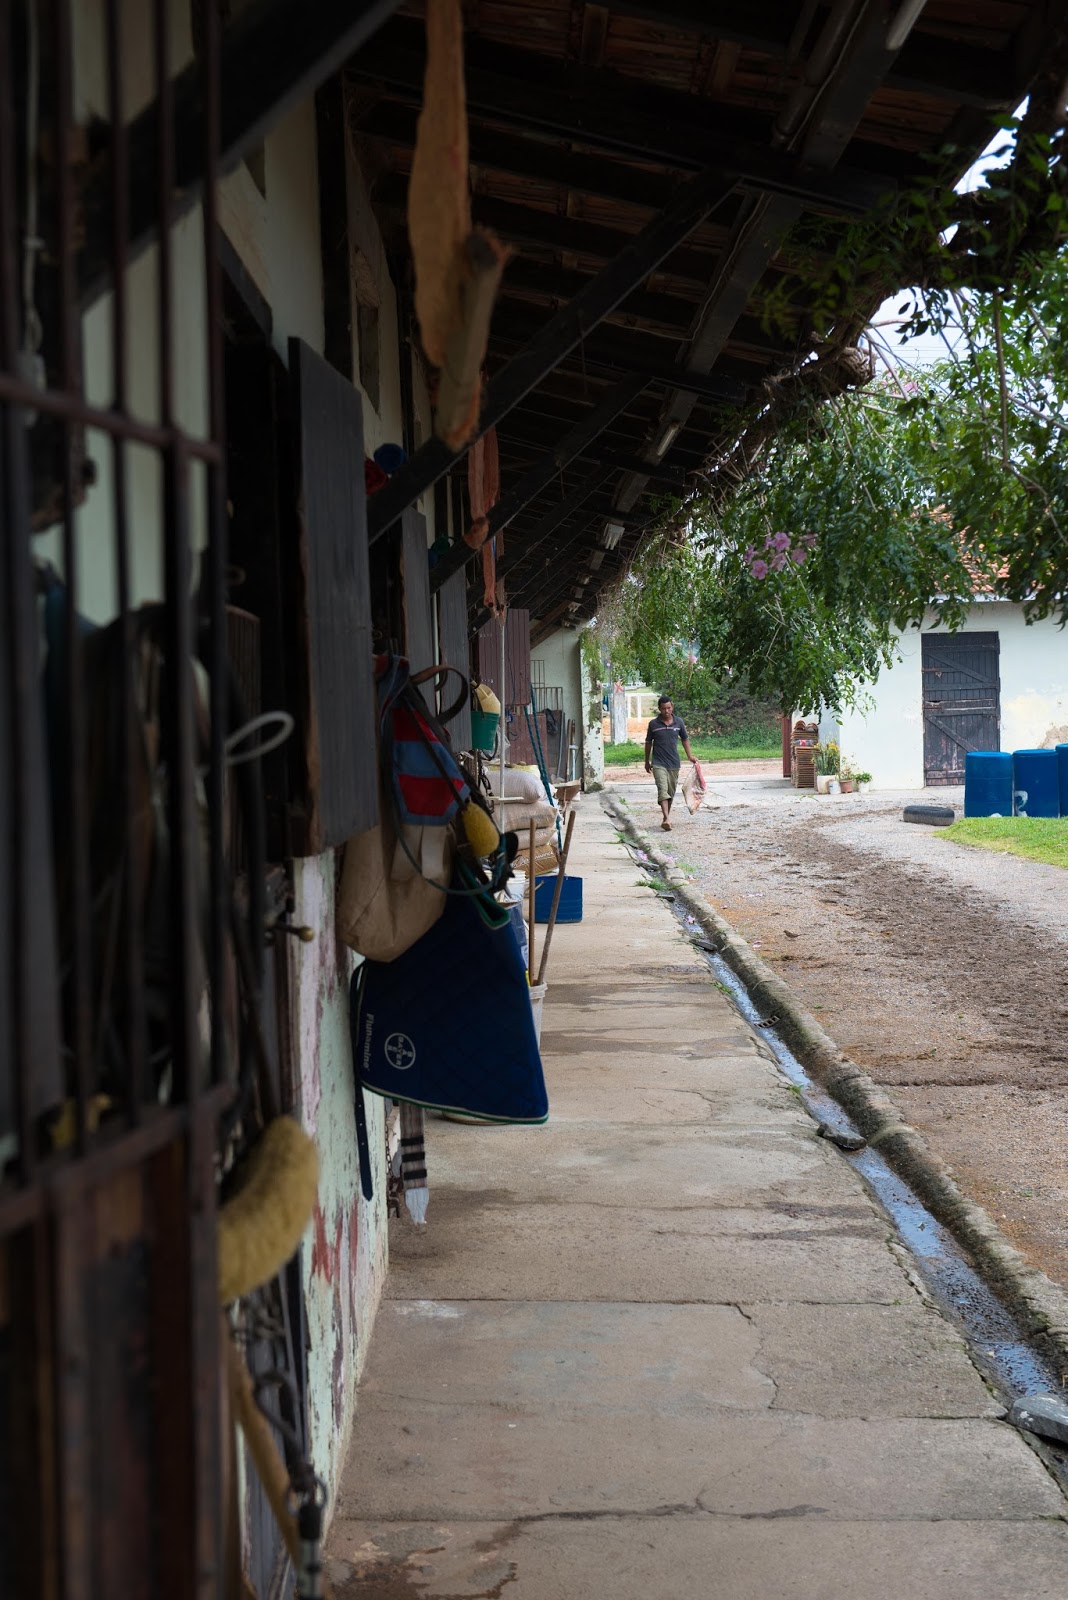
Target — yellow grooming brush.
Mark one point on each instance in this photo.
(260, 1226)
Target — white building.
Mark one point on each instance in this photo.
(996, 684)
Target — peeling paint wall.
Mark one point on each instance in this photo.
(344, 1255)
(888, 742)
(344, 1260)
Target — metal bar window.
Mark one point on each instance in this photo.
(123, 1006)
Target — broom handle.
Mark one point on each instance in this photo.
(530, 908)
(556, 896)
(266, 1459)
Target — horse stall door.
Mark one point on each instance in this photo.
(961, 702)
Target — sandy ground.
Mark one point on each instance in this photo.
(940, 969)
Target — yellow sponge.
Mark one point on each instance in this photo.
(481, 831)
(64, 1125)
(261, 1225)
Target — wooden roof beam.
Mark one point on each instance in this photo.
(546, 229)
(524, 278)
(514, 560)
(819, 118)
(610, 111)
(556, 338)
(543, 161)
(577, 440)
(632, 349)
(928, 64)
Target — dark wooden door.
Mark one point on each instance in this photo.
(339, 716)
(418, 613)
(961, 702)
(455, 648)
(516, 690)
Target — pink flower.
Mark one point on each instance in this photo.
(759, 569)
(798, 555)
(750, 554)
(778, 561)
(781, 541)
(808, 540)
(769, 541)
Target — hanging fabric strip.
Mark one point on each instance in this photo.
(413, 1162)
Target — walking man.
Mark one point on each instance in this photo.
(662, 754)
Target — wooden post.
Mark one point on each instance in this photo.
(556, 896)
(530, 908)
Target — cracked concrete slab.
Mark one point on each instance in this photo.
(492, 1461)
(491, 1247)
(661, 1558)
(669, 1344)
(625, 1163)
(868, 1361)
(569, 1355)
(607, 1087)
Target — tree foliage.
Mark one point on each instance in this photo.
(907, 493)
(868, 549)
(902, 493)
(993, 422)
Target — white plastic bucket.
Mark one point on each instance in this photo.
(537, 1000)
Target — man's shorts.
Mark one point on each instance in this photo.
(666, 782)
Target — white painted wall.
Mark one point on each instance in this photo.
(561, 657)
(345, 1260)
(94, 520)
(888, 740)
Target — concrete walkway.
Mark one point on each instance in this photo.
(667, 1346)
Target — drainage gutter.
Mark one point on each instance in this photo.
(1039, 1303)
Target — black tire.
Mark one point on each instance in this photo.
(930, 816)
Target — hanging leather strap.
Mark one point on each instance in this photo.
(438, 674)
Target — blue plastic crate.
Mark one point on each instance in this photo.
(570, 907)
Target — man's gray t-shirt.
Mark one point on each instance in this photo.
(666, 738)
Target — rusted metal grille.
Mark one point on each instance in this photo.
(115, 942)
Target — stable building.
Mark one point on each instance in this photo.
(998, 683)
(230, 475)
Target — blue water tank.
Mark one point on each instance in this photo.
(1035, 784)
(1062, 776)
(988, 783)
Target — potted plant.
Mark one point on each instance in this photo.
(863, 781)
(827, 759)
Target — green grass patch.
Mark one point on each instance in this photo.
(746, 746)
(1036, 838)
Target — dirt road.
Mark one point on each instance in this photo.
(941, 970)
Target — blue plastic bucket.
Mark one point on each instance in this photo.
(988, 783)
(570, 907)
(1035, 783)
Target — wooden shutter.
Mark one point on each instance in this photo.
(418, 617)
(334, 609)
(454, 648)
(516, 657)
